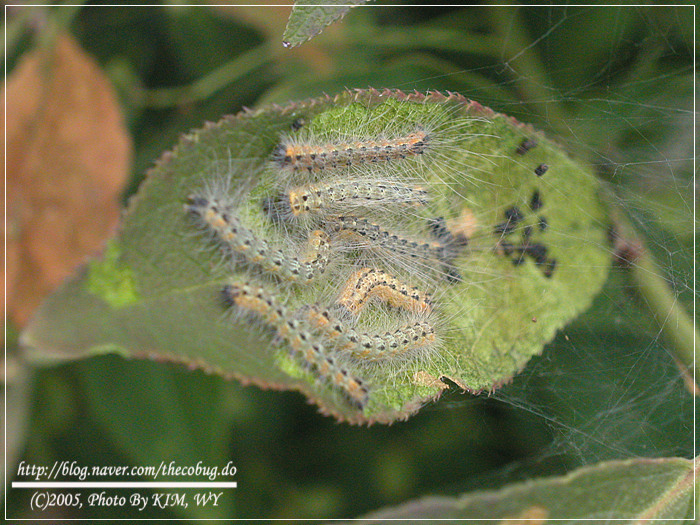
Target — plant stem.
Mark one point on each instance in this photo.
(217, 79)
(674, 323)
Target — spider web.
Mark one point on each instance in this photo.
(607, 387)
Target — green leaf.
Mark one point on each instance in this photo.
(177, 413)
(637, 490)
(309, 19)
(495, 303)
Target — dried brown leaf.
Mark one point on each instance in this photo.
(68, 157)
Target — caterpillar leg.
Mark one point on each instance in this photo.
(255, 299)
(225, 223)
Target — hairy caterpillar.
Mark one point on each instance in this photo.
(369, 283)
(323, 196)
(399, 343)
(222, 219)
(297, 155)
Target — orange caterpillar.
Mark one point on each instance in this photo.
(369, 283)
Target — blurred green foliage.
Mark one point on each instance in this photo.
(613, 84)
